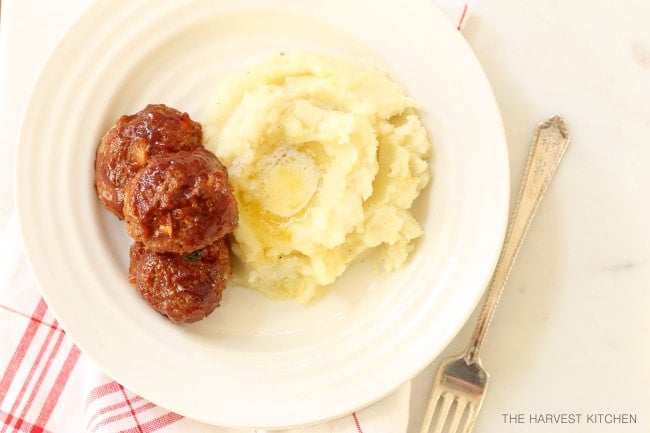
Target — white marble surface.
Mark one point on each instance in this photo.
(571, 334)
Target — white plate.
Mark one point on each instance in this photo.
(257, 362)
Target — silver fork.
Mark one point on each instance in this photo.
(459, 386)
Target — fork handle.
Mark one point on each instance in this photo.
(549, 144)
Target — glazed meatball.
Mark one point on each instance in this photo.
(129, 144)
(183, 287)
(180, 202)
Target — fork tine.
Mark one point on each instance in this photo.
(442, 412)
(457, 415)
(430, 411)
(472, 411)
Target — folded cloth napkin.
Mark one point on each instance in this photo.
(48, 385)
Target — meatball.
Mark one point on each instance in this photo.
(183, 287)
(180, 202)
(129, 144)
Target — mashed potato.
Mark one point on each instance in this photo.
(326, 157)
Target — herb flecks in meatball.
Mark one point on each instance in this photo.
(184, 287)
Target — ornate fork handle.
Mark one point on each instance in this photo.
(549, 145)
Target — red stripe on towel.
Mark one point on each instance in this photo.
(41, 376)
(21, 350)
(462, 17)
(57, 388)
(357, 424)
